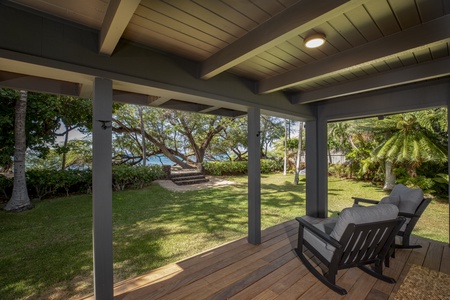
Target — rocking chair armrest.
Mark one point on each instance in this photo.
(408, 215)
(370, 201)
(323, 236)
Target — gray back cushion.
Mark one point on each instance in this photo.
(361, 215)
(390, 200)
(409, 198)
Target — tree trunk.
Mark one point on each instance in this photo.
(389, 181)
(144, 158)
(285, 147)
(299, 152)
(19, 200)
(64, 155)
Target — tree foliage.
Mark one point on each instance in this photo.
(46, 114)
(415, 143)
(177, 135)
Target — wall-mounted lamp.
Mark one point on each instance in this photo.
(315, 40)
(105, 124)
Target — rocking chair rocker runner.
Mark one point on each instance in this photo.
(360, 236)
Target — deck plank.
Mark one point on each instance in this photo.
(445, 262)
(271, 270)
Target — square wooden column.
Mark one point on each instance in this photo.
(254, 176)
(448, 155)
(316, 167)
(102, 189)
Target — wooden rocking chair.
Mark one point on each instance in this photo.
(360, 236)
(411, 204)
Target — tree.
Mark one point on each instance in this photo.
(299, 152)
(339, 138)
(45, 115)
(73, 114)
(411, 143)
(232, 142)
(272, 129)
(19, 200)
(285, 148)
(176, 135)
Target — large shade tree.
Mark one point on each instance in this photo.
(181, 137)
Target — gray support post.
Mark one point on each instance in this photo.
(448, 155)
(102, 189)
(316, 167)
(254, 177)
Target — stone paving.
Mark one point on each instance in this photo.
(214, 181)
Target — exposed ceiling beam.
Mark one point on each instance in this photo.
(130, 98)
(209, 109)
(158, 101)
(393, 100)
(298, 18)
(39, 84)
(414, 73)
(415, 38)
(117, 17)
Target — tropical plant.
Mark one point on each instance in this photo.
(412, 143)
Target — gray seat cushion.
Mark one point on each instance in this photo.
(410, 198)
(361, 215)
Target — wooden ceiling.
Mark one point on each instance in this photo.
(370, 44)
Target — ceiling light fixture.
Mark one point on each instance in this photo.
(315, 40)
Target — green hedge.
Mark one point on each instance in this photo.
(220, 168)
(135, 176)
(42, 183)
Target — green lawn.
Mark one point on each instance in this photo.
(46, 253)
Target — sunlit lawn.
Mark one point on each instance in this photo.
(46, 253)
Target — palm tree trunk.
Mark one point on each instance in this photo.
(285, 147)
(299, 152)
(64, 155)
(389, 181)
(19, 200)
(144, 158)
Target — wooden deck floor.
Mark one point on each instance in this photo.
(239, 270)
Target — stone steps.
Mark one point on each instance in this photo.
(188, 177)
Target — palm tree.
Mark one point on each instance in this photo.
(412, 142)
(19, 200)
(339, 137)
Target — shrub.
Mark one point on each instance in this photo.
(220, 168)
(6, 185)
(43, 181)
(135, 176)
(270, 166)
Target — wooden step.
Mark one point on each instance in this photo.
(181, 178)
(185, 173)
(191, 181)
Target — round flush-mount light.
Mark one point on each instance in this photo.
(315, 40)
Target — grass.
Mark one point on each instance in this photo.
(46, 253)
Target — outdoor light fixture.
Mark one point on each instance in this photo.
(315, 40)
